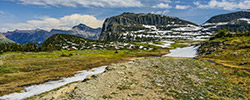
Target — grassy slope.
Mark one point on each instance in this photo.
(3, 39)
(232, 55)
(21, 69)
(235, 52)
(184, 43)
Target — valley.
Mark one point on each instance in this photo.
(133, 56)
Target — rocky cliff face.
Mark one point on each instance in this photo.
(25, 36)
(236, 21)
(146, 27)
(3, 39)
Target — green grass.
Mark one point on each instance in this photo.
(178, 45)
(146, 44)
(235, 52)
(157, 42)
(188, 41)
(184, 43)
(185, 79)
(21, 69)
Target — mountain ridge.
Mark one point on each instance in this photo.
(234, 21)
(39, 36)
(145, 27)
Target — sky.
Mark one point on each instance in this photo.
(64, 14)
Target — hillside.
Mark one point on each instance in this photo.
(148, 27)
(229, 49)
(3, 39)
(39, 36)
(72, 42)
(236, 21)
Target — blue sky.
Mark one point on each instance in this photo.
(63, 14)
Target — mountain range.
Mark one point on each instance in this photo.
(131, 27)
(149, 27)
(39, 36)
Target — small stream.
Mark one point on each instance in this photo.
(33, 90)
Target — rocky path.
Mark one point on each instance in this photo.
(146, 79)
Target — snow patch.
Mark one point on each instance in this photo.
(189, 52)
(245, 19)
(38, 89)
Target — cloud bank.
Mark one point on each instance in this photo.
(182, 7)
(225, 4)
(48, 23)
(83, 3)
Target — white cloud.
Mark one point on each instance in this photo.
(181, 7)
(177, 1)
(161, 12)
(162, 6)
(84, 3)
(48, 23)
(226, 4)
(196, 3)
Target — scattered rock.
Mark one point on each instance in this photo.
(158, 78)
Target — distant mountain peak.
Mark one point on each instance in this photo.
(235, 21)
(83, 27)
(39, 35)
(229, 16)
(80, 25)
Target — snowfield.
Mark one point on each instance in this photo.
(189, 52)
(190, 32)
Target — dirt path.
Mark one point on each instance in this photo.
(154, 78)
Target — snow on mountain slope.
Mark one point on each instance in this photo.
(190, 32)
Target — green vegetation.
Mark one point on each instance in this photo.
(188, 41)
(71, 42)
(229, 49)
(178, 45)
(184, 43)
(4, 40)
(188, 79)
(20, 69)
(157, 42)
(14, 47)
(145, 44)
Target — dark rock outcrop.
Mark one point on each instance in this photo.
(236, 21)
(128, 22)
(229, 17)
